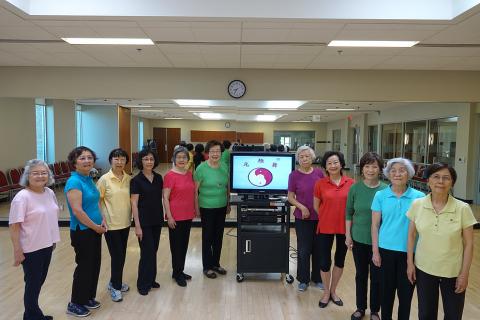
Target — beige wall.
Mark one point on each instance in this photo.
(266, 127)
(17, 132)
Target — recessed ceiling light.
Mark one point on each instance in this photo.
(209, 116)
(268, 117)
(301, 121)
(192, 102)
(340, 109)
(368, 43)
(173, 118)
(110, 41)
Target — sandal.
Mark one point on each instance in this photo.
(358, 314)
(210, 274)
(374, 316)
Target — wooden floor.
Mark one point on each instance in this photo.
(258, 297)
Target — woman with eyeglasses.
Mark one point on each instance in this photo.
(147, 209)
(179, 202)
(34, 232)
(330, 200)
(212, 204)
(389, 237)
(443, 256)
(86, 228)
(114, 188)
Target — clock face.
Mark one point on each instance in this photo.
(237, 89)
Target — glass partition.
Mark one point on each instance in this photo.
(336, 139)
(294, 139)
(415, 141)
(391, 140)
(373, 138)
(442, 140)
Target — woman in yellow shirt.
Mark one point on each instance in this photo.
(443, 256)
(114, 188)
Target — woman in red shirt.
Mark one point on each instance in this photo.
(179, 203)
(330, 200)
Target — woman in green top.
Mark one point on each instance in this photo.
(212, 205)
(226, 153)
(358, 235)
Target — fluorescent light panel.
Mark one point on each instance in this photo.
(268, 117)
(368, 43)
(209, 116)
(173, 118)
(284, 104)
(138, 106)
(195, 107)
(192, 102)
(301, 121)
(340, 109)
(110, 41)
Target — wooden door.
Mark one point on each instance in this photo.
(160, 137)
(124, 134)
(173, 139)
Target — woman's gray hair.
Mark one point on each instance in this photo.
(180, 149)
(305, 148)
(28, 168)
(405, 162)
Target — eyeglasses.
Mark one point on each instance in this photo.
(39, 173)
(398, 171)
(438, 177)
(214, 151)
(333, 163)
(149, 159)
(87, 158)
(121, 160)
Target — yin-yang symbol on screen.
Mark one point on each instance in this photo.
(260, 177)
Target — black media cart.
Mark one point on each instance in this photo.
(263, 237)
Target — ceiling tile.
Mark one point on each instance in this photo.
(120, 32)
(169, 34)
(72, 32)
(216, 34)
(386, 31)
(416, 62)
(265, 35)
(9, 19)
(346, 62)
(25, 33)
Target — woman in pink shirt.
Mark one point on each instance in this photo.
(179, 203)
(34, 231)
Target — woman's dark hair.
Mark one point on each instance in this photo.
(227, 144)
(281, 148)
(369, 158)
(199, 148)
(189, 147)
(431, 169)
(329, 154)
(118, 153)
(212, 143)
(75, 153)
(145, 153)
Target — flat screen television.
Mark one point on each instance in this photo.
(260, 172)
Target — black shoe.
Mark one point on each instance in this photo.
(92, 304)
(220, 270)
(323, 304)
(155, 285)
(181, 281)
(358, 314)
(143, 292)
(186, 276)
(338, 302)
(210, 274)
(48, 317)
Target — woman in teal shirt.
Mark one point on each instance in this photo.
(212, 205)
(358, 234)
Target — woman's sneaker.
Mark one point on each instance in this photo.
(124, 288)
(77, 310)
(116, 295)
(92, 304)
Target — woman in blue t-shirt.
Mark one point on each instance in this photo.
(86, 228)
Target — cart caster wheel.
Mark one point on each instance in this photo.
(240, 277)
(289, 278)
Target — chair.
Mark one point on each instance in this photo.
(14, 177)
(65, 169)
(59, 176)
(5, 187)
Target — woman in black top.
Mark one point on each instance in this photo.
(147, 208)
(198, 157)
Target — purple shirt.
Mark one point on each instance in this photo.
(302, 185)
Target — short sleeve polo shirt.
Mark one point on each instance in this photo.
(150, 205)
(393, 231)
(90, 199)
(333, 200)
(440, 242)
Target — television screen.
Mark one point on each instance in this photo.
(260, 172)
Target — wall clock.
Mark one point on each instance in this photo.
(237, 89)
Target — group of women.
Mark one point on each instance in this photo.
(381, 224)
(107, 208)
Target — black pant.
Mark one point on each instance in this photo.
(35, 269)
(179, 245)
(147, 267)
(427, 292)
(88, 257)
(213, 224)
(393, 275)
(326, 244)
(117, 246)
(362, 255)
(308, 245)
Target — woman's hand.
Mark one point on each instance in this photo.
(377, 260)
(349, 242)
(305, 212)
(411, 273)
(104, 224)
(100, 229)
(18, 257)
(171, 222)
(197, 213)
(229, 209)
(139, 232)
(461, 283)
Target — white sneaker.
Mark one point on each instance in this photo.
(116, 295)
(124, 288)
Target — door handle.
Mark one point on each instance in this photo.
(165, 148)
(248, 246)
